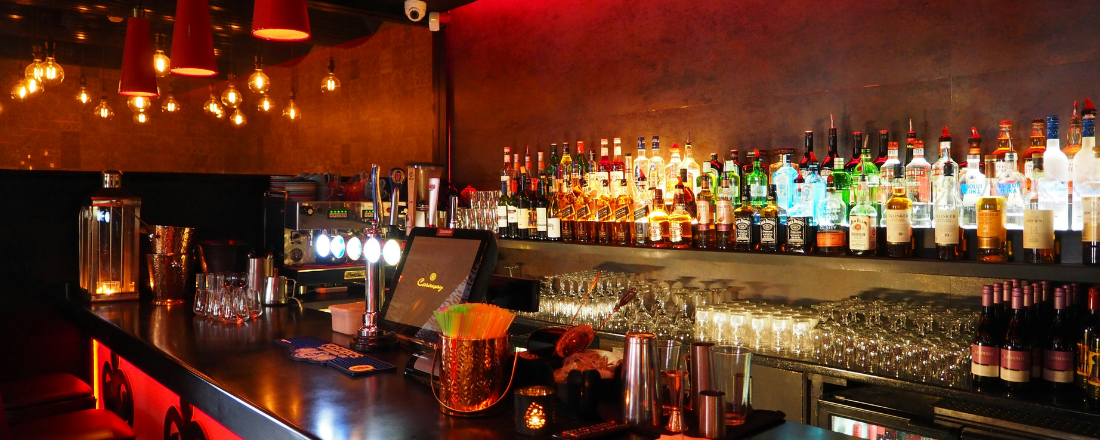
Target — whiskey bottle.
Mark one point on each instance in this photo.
(618, 168)
(691, 166)
(992, 236)
(704, 214)
(723, 217)
(605, 216)
(565, 168)
(624, 215)
(941, 163)
(899, 218)
(863, 222)
(744, 224)
(832, 225)
(658, 222)
(800, 219)
(1089, 189)
(1036, 147)
(506, 171)
(656, 176)
(584, 224)
(642, 202)
(1010, 184)
(985, 356)
(679, 221)
(949, 243)
(641, 164)
(1040, 245)
(1016, 349)
(672, 173)
(886, 179)
(770, 237)
(568, 210)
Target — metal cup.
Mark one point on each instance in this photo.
(260, 268)
(640, 380)
(712, 414)
(276, 289)
(700, 371)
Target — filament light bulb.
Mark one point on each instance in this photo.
(212, 107)
(330, 83)
(161, 64)
(237, 117)
(53, 73)
(292, 111)
(141, 117)
(103, 110)
(231, 97)
(19, 91)
(170, 105)
(139, 103)
(258, 82)
(266, 104)
(36, 69)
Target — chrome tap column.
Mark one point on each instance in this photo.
(370, 337)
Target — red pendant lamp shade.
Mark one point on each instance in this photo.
(282, 20)
(192, 40)
(138, 77)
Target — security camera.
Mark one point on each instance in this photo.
(416, 9)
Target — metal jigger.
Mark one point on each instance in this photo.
(370, 337)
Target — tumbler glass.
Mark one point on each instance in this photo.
(199, 306)
(730, 369)
(781, 332)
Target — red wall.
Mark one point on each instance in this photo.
(744, 74)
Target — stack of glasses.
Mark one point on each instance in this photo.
(480, 211)
(757, 325)
(225, 297)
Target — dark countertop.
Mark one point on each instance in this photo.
(240, 377)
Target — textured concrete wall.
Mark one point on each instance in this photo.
(745, 74)
(383, 113)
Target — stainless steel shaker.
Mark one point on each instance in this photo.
(640, 392)
(259, 268)
(700, 371)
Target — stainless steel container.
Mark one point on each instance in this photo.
(640, 392)
(700, 370)
(712, 414)
(259, 268)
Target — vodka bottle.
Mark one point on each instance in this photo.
(918, 187)
(972, 184)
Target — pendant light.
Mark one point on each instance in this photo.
(36, 69)
(292, 111)
(281, 20)
(213, 106)
(139, 103)
(141, 117)
(266, 104)
(103, 110)
(138, 78)
(237, 118)
(192, 40)
(23, 86)
(52, 73)
(232, 97)
(330, 83)
(83, 96)
(170, 105)
(161, 63)
(258, 82)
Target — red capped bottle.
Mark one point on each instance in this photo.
(1015, 362)
(985, 350)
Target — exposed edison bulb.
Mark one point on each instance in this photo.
(141, 117)
(139, 103)
(212, 107)
(266, 104)
(291, 111)
(33, 85)
(52, 74)
(258, 82)
(161, 64)
(170, 105)
(83, 96)
(19, 91)
(330, 83)
(36, 69)
(103, 110)
(231, 97)
(237, 117)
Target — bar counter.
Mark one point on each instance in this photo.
(241, 378)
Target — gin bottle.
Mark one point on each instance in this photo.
(641, 164)
(783, 179)
(1010, 185)
(918, 187)
(972, 184)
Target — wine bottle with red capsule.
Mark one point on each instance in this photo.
(1016, 349)
(1058, 351)
(985, 356)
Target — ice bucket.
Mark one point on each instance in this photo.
(471, 378)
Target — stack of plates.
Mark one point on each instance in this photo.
(301, 191)
(278, 183)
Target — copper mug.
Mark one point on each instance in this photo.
(471, 374)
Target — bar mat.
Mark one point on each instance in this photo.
(759, 420)
(344, 360)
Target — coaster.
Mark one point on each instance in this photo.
(344, 360)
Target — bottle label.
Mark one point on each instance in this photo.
(971, 192)
(641, 231)
(567, 211)
(641, 210)
(1093, 357)
(622, 213)
(1038, 229)
(513, 215)
(863, 235)
(782, 188)
(1016, 365)
(553, 228)
(603, 213)
(723, 214)
(655, 232)
(616, 178)
(796, 231)
(703, 212)
(522, 218)
(758, 191)
(1008, 188)
(1058, 366)
(540, 219)
(742, 230)
(830, 238)
(768, 229)
(899, 225)
(1083, 364)
(502, 216)
(1091, 208)
(991, 224)
(582, 212)
(917, 186)
(947, 226)
(985, 360)
(675, 232)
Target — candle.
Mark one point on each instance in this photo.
(534, 410)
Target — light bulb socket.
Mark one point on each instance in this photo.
(331, 64)
(259, 61)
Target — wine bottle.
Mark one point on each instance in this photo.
(1016, 349)
(985, 359)
(1087, 329)
(1058, 350)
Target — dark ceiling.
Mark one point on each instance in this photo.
(85, 35)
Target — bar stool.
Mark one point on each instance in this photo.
(45, 395)
(89, 424)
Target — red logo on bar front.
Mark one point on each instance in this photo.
(443, 232)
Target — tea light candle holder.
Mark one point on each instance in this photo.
(534, 410)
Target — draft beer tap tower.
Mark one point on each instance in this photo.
(370, 336)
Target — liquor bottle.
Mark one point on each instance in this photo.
(716, 166)
(1073, 146)
(1058, 351)
(723, 217)
(910, 141)
(985, 356)
(595, 177)
(605, 216)
(757, 182)
(808, 155)
(553, 213)
(565, 168)
(918, 187)
(507, 173)
(618, 167)
(672, 173)
(899, 217)
(949, 242)
(1010, 184)
(708, 170)
(684, 186)
(623, 228)
(770, 236)
(777, 163)
(883, 148)
(679, 221)
(842, 180)
(642, 202)
(503, 205)
(691, 166)
(542, 210)
(937, 168)
(584, 223)
(1004, 145)
(1057, 173)
(857, 145)
(832, 224)
(816, 187)
(1053, 193)
(541, 166)
(523, 206)
(746, 168)
(1040, 245)
(513, 180)
(658, 221)
(580, 164)
(800, 219)
(641, 163)
(552, 163)
(1087, 328)
(1016, 348)
(704, 214)
(732, 172)
(866, 167)
(568, 210)
(1082, 162)
(657, 174)
(1038, 144)
(744, 224)
(1089, 189)
(992, 236)
(832, 155)
(886, 179)
(783, 179)
(972, 184)
(863, 221)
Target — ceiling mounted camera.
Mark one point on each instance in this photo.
(416, 9)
